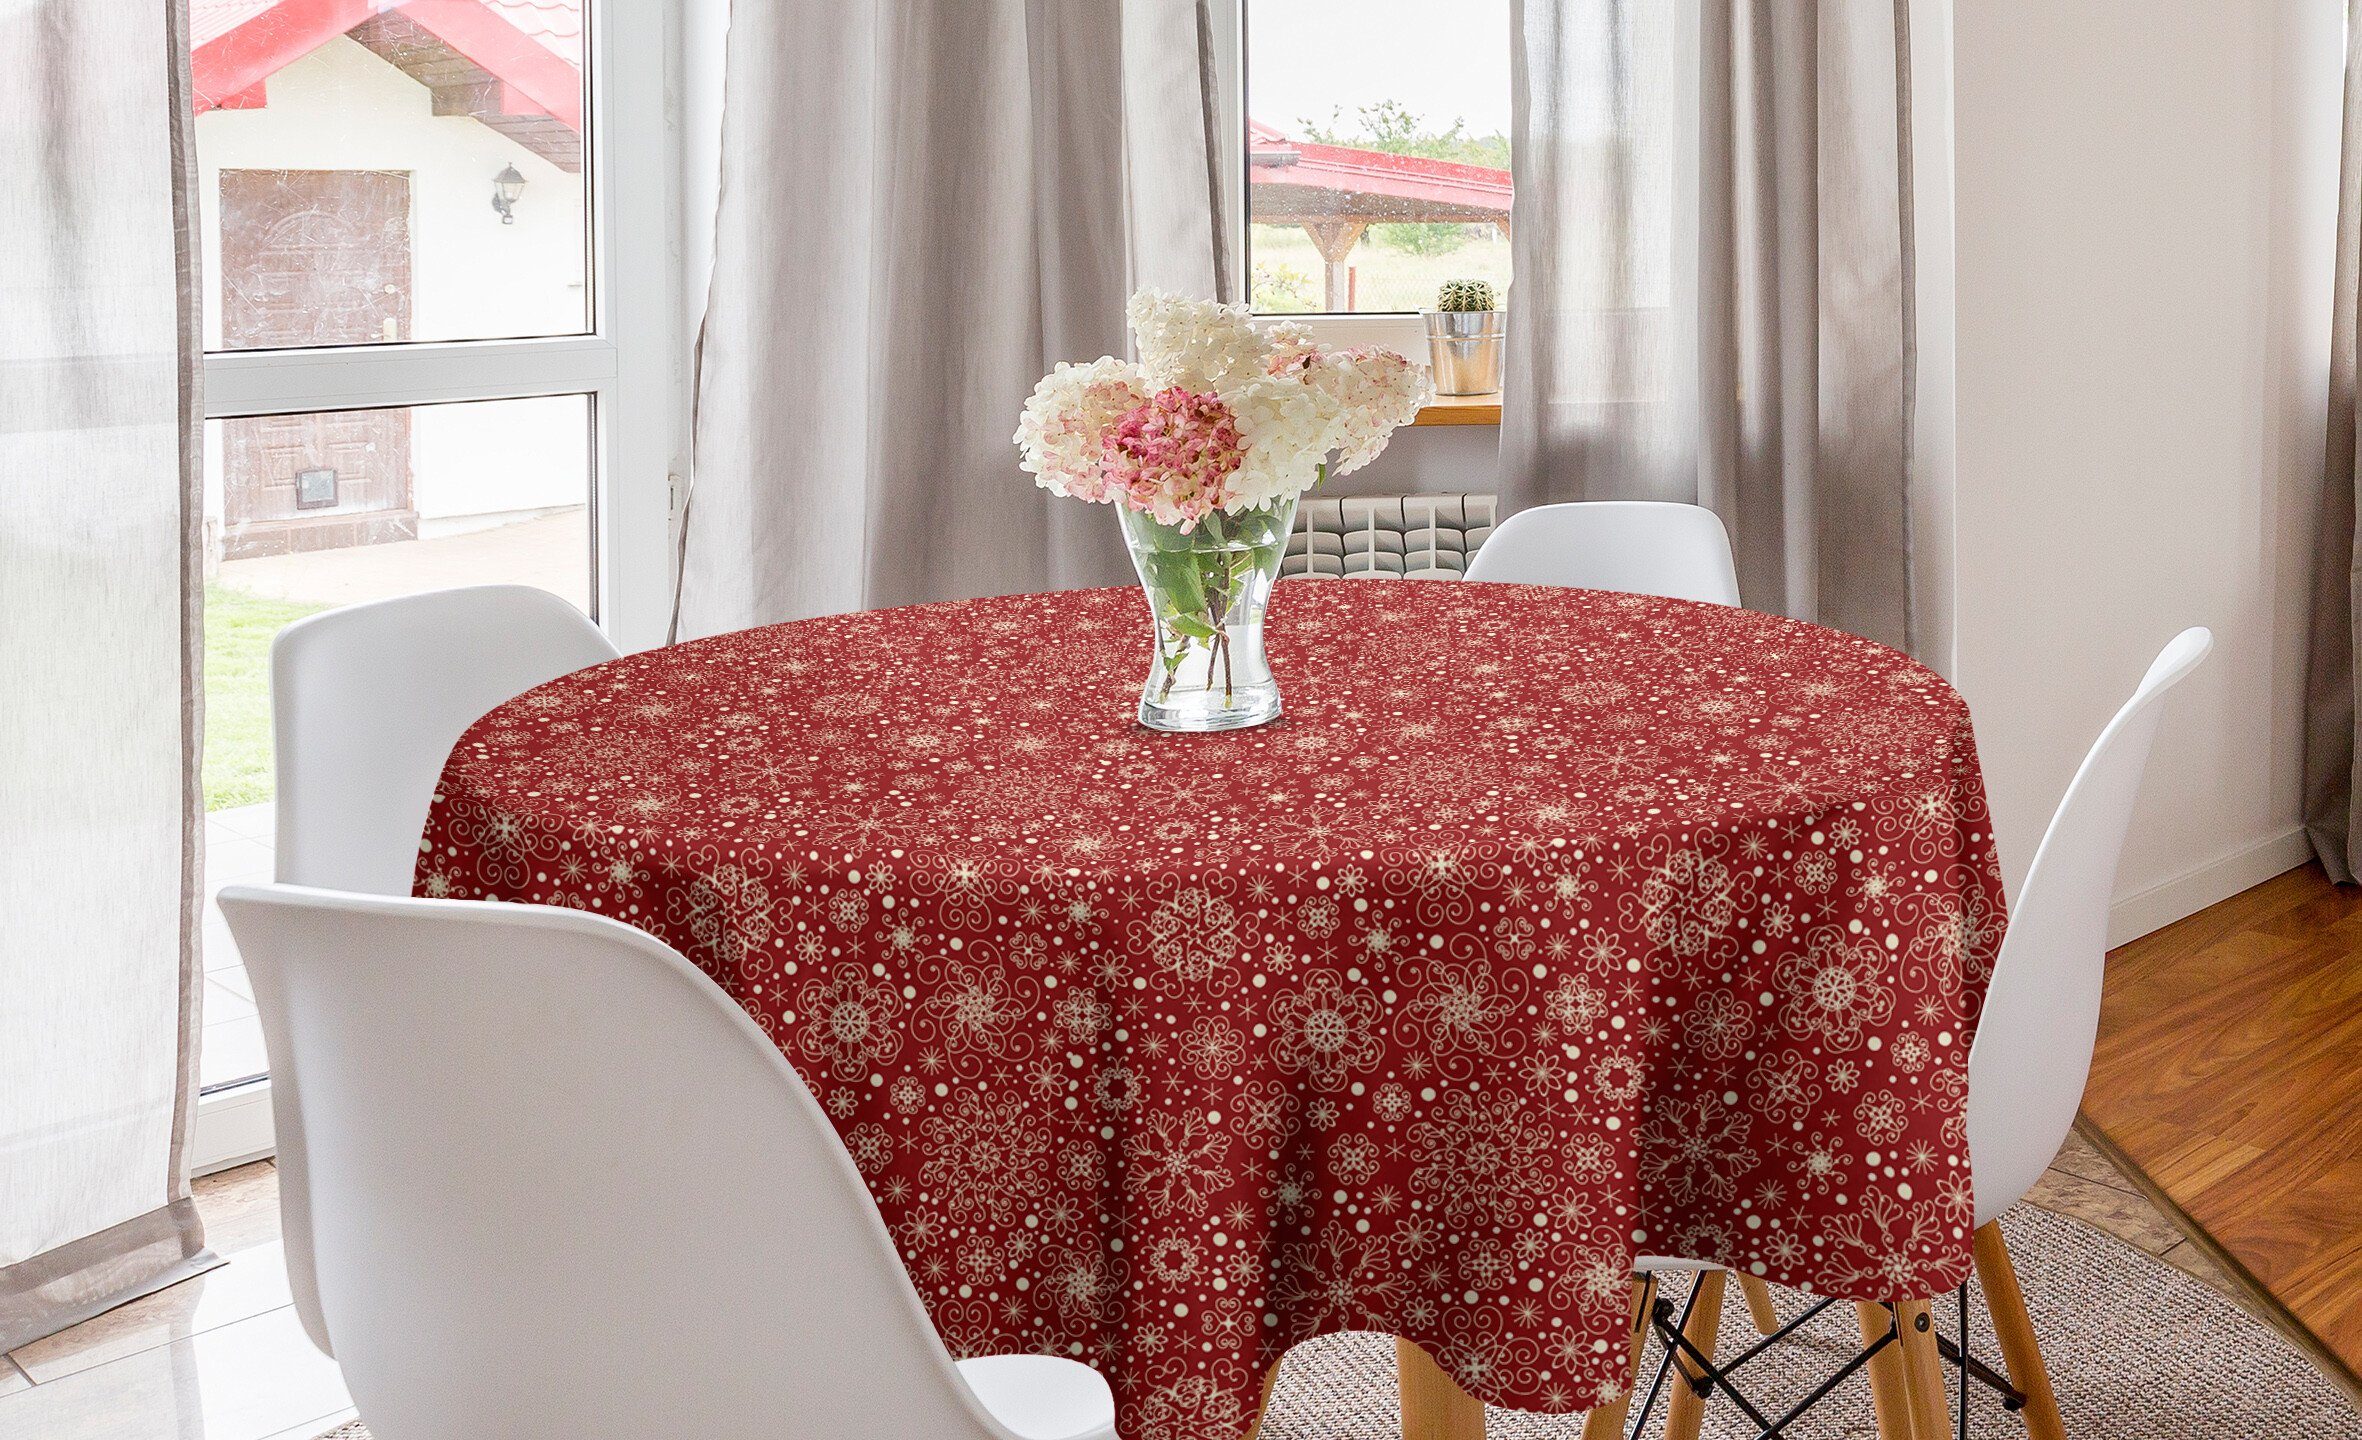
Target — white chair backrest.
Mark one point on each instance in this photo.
(2042, 1012)
(556, 1184)
(1647, 547)
(367, 702)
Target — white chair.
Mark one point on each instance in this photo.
(368, 700)
(2042, 1012)
(2027, 1067)
(1646, 547)
(556, 1184)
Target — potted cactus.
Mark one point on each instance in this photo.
(1466, 332)
(1461, 296)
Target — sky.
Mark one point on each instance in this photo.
(1306, 58)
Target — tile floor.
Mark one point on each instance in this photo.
(223, 1357)
(238, 851)
(2083, 1183)
(219, 1357)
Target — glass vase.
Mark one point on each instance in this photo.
(1207, 590)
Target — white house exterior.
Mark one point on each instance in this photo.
(339, 115)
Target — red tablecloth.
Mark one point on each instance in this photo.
(1548, 928)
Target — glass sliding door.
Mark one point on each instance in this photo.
(412, 216)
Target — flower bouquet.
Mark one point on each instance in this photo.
(1203, 446)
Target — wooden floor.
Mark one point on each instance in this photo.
(2228, 1083)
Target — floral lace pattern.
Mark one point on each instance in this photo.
(1548, 928)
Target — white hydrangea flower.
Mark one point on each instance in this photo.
(1063, 431)
(1198, 345)
(1370, 392)
(1285, 426)
(1292, 345)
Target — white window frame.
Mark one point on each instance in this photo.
(627, 362)
(1403, 331)
(631, 363)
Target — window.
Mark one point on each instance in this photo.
(332, 507)
(438, 321)
(1376, 152)
(418, 175)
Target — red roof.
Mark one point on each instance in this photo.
(1407, 186)
(532, 47)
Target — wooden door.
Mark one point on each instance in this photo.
(308, 258)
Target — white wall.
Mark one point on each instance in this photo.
(343, 108)
(1934, 434)
(2144, 211)
(1424, 459)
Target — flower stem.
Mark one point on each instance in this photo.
(1217, 600)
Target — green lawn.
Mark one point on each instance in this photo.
(238, 631)
(1288, 271)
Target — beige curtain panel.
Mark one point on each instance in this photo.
(2332, 822)
(924, 207)
(99, 810)
(1713, 293)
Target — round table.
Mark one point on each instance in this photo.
(1547, 928)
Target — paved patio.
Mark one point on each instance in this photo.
(238, 851)
(551, 551)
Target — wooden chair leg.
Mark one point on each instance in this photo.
(1888, 1390)
(1434, 1407)
(1687, 1409)
(1606, 1422)
(1923, 1370)
(1263, 1406)
(2015, 1328)
(1759, 1305)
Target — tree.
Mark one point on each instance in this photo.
(1390, 126)
(1282, 288)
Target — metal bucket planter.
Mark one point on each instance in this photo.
(1465, 347)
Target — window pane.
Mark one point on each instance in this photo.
(413, 175)
(304, 512)
(1377, 151)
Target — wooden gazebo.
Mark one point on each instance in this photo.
(1337, 191)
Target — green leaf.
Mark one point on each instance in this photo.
(1191, 626)
(1178, 581)
(1157, 537)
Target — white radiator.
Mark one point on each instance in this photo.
(1389, 537)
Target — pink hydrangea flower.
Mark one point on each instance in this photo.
(1171, 456)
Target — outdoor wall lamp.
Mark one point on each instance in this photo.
(506, 187)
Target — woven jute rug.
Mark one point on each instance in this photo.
(2137, 1350)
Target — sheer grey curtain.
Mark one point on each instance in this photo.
(2332, 746)
(99, 810)
(1713, 282)
(923, 207)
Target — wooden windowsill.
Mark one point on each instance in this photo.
(1461, 410)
